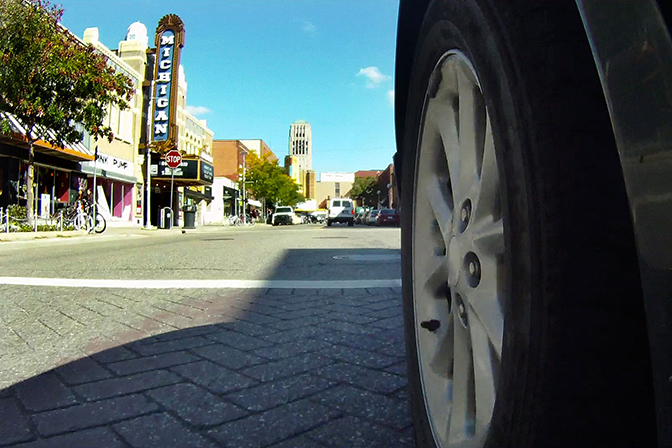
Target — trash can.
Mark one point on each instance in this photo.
(165, 218)
(189, 216)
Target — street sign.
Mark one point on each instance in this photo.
(173, 158)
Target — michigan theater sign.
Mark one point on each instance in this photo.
(169, 41)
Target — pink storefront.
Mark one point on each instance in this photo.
(116, 185)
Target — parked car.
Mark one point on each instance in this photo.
(534, 159)
(371, 217)
(387, 217)
(318, 216)
(285, 215)
(341, 210)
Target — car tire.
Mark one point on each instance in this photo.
(328, 223)
(555, 353)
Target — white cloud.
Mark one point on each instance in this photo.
(373, 76)
(308, 27)
(198, 110)
(390, 97)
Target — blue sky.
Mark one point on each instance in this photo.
(254, 66)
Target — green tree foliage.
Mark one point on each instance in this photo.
(51, 82)
(364, 189)
(266, 179)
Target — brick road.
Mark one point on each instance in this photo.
(202, 368)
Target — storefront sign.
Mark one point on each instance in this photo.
(169, 41)
(207, 171)
(164, 80)
(188, 170)
(110, 164)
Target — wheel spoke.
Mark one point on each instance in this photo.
(443, 115)
(471, 130)
(440, 203)
(462, 412)
(486, 369)
(442, 362)
(488, 236)
(487, 199)
(485, 303)
(436, 271)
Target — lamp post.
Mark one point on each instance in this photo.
(378, 197)
(243, 198)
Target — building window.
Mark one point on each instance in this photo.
(337, 189)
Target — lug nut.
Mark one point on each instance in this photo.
(465, 215)
(473, 266)
(461, 310)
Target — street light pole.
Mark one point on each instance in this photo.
(150, 103)
(244, 192)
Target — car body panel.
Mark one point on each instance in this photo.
(371, 217)
(284, 215)
(387, 217)
(633, 52)
(341, 210)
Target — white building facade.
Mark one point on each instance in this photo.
(301, 144)
(118, 176)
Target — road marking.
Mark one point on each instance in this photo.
(198, 284)
(367, 257)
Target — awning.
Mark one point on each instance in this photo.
(109, 174)
(197, 195)
(253, 202)
(77, 152)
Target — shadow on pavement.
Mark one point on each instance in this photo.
(262, 368)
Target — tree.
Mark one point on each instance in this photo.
(364, 189)
(51, 82)
(266, 179)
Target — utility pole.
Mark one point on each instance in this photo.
(244, 197)
(148, 152)
(95, 186)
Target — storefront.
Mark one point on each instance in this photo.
(57, 173)
(191, 177)
(230, 198)
(116, 186)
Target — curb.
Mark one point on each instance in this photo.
(29, 236)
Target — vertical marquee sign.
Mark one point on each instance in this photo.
(169, 41)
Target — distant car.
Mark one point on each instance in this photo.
(387, 217)
(341, 210)
(318, 216)
(284, 215)
(371, 218)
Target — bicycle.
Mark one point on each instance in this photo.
(80, 216)
(74, 216)
(246, 220)
(99, 224)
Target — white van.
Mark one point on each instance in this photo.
(341, 210)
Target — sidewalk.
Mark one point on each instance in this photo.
(134, 230)
(217, 369)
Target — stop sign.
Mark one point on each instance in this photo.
(173, 158)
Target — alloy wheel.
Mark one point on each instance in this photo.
(458, 265)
